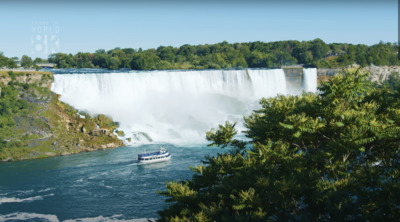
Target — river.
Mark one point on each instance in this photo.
(105, 185)
(172, 108)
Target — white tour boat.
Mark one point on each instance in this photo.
(159, 156)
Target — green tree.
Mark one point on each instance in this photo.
(39, 60)
(225, 55)
(332, 156)
(114, 63)
(167, 53)
(144, 61)
(26, 61)
(319, 48)
(256, 59)
(62, 60)
(101, 59)
(7, 62)
(393, 82)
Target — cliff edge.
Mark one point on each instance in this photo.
(34, 123)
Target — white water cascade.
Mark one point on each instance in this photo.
(170, 106)
(310, 80)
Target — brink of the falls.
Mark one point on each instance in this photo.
(175, 107)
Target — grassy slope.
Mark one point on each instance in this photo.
(24, 72)
(48, 127)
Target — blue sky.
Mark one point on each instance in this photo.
(29, 27)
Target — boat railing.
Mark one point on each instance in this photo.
(154, 157)
(162, 151)
(149, 154)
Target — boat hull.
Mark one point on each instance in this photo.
(166, 158)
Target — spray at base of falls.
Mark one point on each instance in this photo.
(175, 107)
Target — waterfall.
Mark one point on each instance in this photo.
(268, 83)
(170, 106)
(310, 80)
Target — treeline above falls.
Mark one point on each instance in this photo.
(224, 55)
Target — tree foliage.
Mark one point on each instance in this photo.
(26, 61)
(332, 156)
(10, 105)
(7, 62)
(238, 55)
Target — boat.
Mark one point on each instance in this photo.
(154, 157)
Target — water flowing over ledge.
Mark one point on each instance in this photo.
(310, 80)
(175, 106)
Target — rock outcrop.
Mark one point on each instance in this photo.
(50, 127)
(42, 79)
(327, 71)
(378, 73)
(381, 73)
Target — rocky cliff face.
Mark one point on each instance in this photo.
(42, 79)
(378, 73)
(48, 127)
(327, 71)
(381, 73)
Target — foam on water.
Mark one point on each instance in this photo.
(18, 216)
(24, 216)
(4, 200)
(114, 218)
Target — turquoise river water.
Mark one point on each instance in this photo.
(107, 185)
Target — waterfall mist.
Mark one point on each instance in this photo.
(171, 106)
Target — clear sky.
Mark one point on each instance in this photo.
(38, 28)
